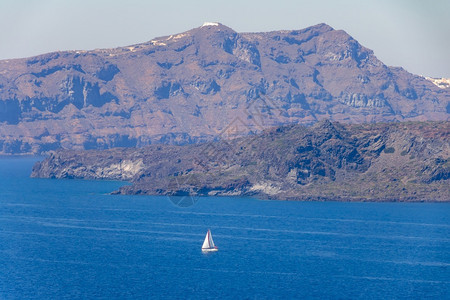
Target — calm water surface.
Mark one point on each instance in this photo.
(69, 239)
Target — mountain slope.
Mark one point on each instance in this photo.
(207, 83)
(367, 162)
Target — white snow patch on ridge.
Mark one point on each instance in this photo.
(176, 37)
(210, 24)
(443, 83)
(157, 43)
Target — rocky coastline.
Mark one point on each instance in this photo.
(406, 162)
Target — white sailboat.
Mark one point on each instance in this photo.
(208, 243)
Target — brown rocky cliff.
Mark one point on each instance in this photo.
(207, 83)
(364, 162)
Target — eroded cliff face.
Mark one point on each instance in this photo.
(201, 85)
(329, 161)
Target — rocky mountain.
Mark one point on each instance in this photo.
(407, 161)
(204, 84)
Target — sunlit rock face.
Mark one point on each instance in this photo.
(203, 84)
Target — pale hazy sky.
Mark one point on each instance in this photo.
(414, 34)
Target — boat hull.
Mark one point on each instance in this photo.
(210, 249)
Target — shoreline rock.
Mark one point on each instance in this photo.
(390, 162)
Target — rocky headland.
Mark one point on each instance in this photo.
(329, 161)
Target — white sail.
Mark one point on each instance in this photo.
(211, 242)
(206, 241)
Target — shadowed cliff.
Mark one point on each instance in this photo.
(329, 161)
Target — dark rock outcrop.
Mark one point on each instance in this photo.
(329, 161)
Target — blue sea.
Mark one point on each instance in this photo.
(70, 239)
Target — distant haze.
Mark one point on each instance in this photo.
(413, 34)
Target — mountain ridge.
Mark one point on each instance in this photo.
(195, 85)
